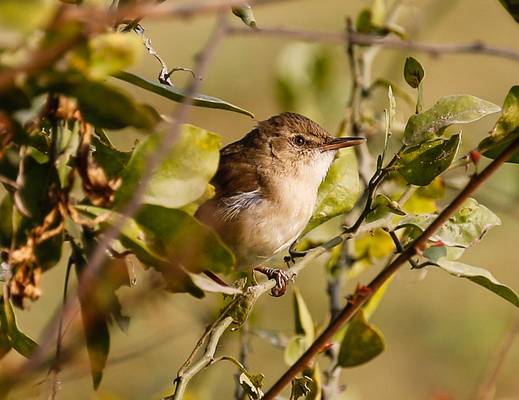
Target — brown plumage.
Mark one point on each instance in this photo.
(266, 185)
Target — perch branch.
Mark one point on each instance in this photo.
(362, 295)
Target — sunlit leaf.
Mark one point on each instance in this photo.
(304, 324)
(176, 94)
(361, 343)
(506, 129)
(420, 164)
(339, 191)
(463, 229)
(413, 72)
(481, 277)
(106, 54)
(295, 348)
(184, 174)
(458, 109)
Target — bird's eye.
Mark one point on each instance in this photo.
(299, 140)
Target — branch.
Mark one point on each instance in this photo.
(433, 49)
(362, 295)
(207, 358)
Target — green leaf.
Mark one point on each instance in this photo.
(458, 109)
(506, 129)
(304, 324)
(176, 94)
(383, 206)
(295, 348)
(25, 16)
(420, 164)
(463, 229)
(10, 335)
(246, 14)
(109, 158)
(512, 6)
(301, 387)
(106, 106)
(339, 191)
(361, 343)
(481, 277)
(174, 243)
(184, 174)
(6, 221)
(112, 52)
(252, 384)
(413, 72)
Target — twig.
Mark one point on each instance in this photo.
(361, 296)
(487, 389)
(207, 358)
(433, 49)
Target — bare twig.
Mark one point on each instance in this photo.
(207, 358)
(433, 49)
(487, 389)
(362, 295)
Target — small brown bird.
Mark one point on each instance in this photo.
(266, 188)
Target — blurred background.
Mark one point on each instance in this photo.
(441, 332)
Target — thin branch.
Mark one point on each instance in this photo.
(488, 387)
(433, 49)
(364, 293)
(207, 358)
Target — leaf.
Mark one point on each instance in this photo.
(463, 229)
(300, 387)
(295, 348)
(209, 285)
(421, 164)
(361, 343)
(109, 158)
(339, 191)
(512, 7)
(506, 129)
(10, 335)
(106, 106)
(383, 206)
(246, 14)
(172, 242)
(176, 94)
(25, 16)
(413, 72)
(304, 324)
(481, 277)
(184, 174)
(6, 222)
(252, 384)
(457, 109)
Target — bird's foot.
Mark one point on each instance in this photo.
(280, 276)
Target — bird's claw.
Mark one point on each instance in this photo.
(281, 277)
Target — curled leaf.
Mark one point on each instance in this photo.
(413, 72)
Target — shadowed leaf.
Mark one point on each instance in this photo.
(10, 335)
(413, 72)
(512, 6)
(176, 94)
(361, 343)
(420, 164)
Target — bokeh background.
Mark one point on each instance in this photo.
(441, 332)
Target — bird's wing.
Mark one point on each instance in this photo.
(237, 186)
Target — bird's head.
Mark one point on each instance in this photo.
(296, 144)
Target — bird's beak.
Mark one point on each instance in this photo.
(341, 142)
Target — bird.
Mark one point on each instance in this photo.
(266, 188)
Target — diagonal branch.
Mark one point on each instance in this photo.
(363, 294)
